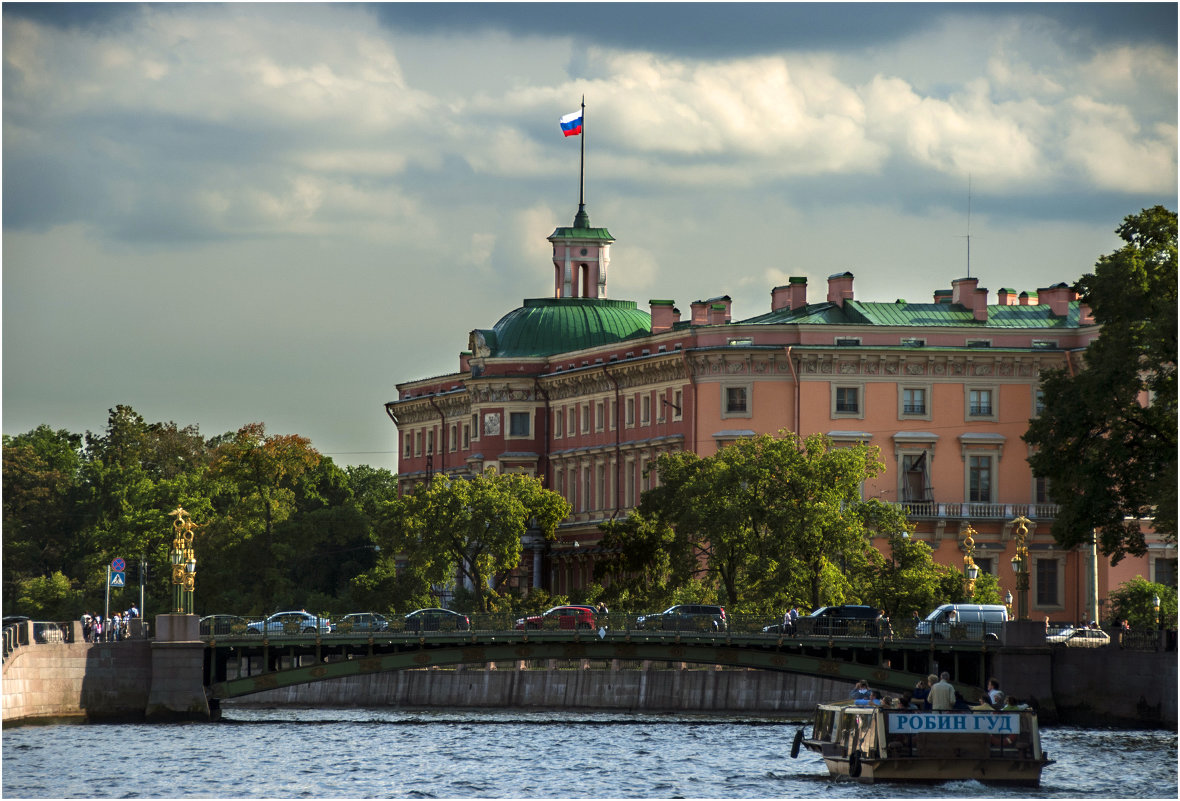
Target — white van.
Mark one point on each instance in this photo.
(964, 621)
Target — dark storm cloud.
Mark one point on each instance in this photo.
(710, 30)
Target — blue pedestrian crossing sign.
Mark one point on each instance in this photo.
(117, 580)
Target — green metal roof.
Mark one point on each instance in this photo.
(857, 312)
(544, 326)
(582, 233)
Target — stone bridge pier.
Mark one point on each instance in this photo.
(178, 660)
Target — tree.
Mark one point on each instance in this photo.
(1106, 439)
(469, 530)
(1133, 601)
(769, 521)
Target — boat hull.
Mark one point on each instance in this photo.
(1010, 772)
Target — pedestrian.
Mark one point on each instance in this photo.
(942, 694)
(133, 611)
(883, 627)
(97, 628)
(87, 622)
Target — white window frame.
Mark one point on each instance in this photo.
(748, 388)
(584, 413)
(645, 409)
(859, 414)
(558, 423)
(599, 415)
(475, 427)
(453, 438)
(510, 414)
(629, 422)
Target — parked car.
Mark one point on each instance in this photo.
(360, 623)
(686, 617)
(434, 619)
(1079, 638)
(223, 625)
(964, 621)
(846, 620)
(291, 623)
(560, 617)
(43, 632)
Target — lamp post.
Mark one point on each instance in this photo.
(970, 570)
(1020, 566)
(1155, 602)
(1008, 602)
(184, 562)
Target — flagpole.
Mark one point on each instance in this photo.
(582, 165)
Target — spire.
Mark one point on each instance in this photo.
(581, 219)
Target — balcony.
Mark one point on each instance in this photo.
(933, 510)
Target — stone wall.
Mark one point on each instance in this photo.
(107, 680)
(746, 692)
(1112, 687)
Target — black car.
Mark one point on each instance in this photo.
(433, 619)
(686, 617)
(848, 620)
(222, 625)
(360, 623)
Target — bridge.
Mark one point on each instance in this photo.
(240, 663)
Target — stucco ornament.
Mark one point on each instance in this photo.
(478, 345)
(491, 424)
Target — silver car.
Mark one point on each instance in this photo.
(291, 623)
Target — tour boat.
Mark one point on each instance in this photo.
(877, 744)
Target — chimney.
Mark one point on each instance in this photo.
(700, 312)
(1006, 297)
(1058, 297)
(1086, 315)
(839, 288)
(966, 293)
(718, 314)
(942, 296)
(1029, 299)
(465, 361)
(792, 296)
(664, 315)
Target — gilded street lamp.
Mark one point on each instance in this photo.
(1008, 602)
(184, 562)
(1155, 602)
(1020, 566)
(970, 570)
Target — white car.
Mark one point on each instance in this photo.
(1079, 638)
(291, 623)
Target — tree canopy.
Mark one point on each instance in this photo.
(1106, 439)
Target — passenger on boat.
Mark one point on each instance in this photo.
(994, 696)
(920, 697)
(861, 692)
(1010, 705)
(907, 701)
(942, 695)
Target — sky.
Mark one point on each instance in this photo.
(221, 214)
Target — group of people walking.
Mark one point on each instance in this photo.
(112, 629)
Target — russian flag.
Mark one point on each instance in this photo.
(571, 124)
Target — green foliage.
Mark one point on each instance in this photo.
(1107, 437)
(1133, 602)
(48, 598)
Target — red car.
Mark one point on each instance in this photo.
(560, 617)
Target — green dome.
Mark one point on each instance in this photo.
(545, 326)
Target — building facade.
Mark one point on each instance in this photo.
(587, 391)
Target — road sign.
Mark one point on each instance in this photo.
(118, 565)
(117, 580)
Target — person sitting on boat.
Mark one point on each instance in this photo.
(994, 696)
(861, 691)
(1010, 705)
(942, 695)
(920, 697)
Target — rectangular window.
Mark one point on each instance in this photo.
(418, 444)
(1039, 402)
(585, 489)
(1043, 490)
(735, 400)
(981, 403)
(630, 412)
(614, 414)
(571, 420)
(845, 342)
(847, 400)
(518, 424)
(407, 444)
(558, 423)
(979, 343)
(585, 418)
(430, 441)
(985, 564)
(1165, 571)
(453, 442)
(600, 487)
(912, 342)
(645, 410)
(1047, 582)
(466, 436)
(915, 475)
(599, 415)
(913, 401)
(475, 426)
(979, 479)
(677, 404)
(1044, 344)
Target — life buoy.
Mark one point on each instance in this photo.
(795, 745)
(854, 764)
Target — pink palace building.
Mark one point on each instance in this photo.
(586, 391)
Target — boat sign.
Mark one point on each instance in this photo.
(953, 722)
(118, 565)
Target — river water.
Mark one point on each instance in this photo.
(386, 753)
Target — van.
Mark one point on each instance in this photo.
(968, 622)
